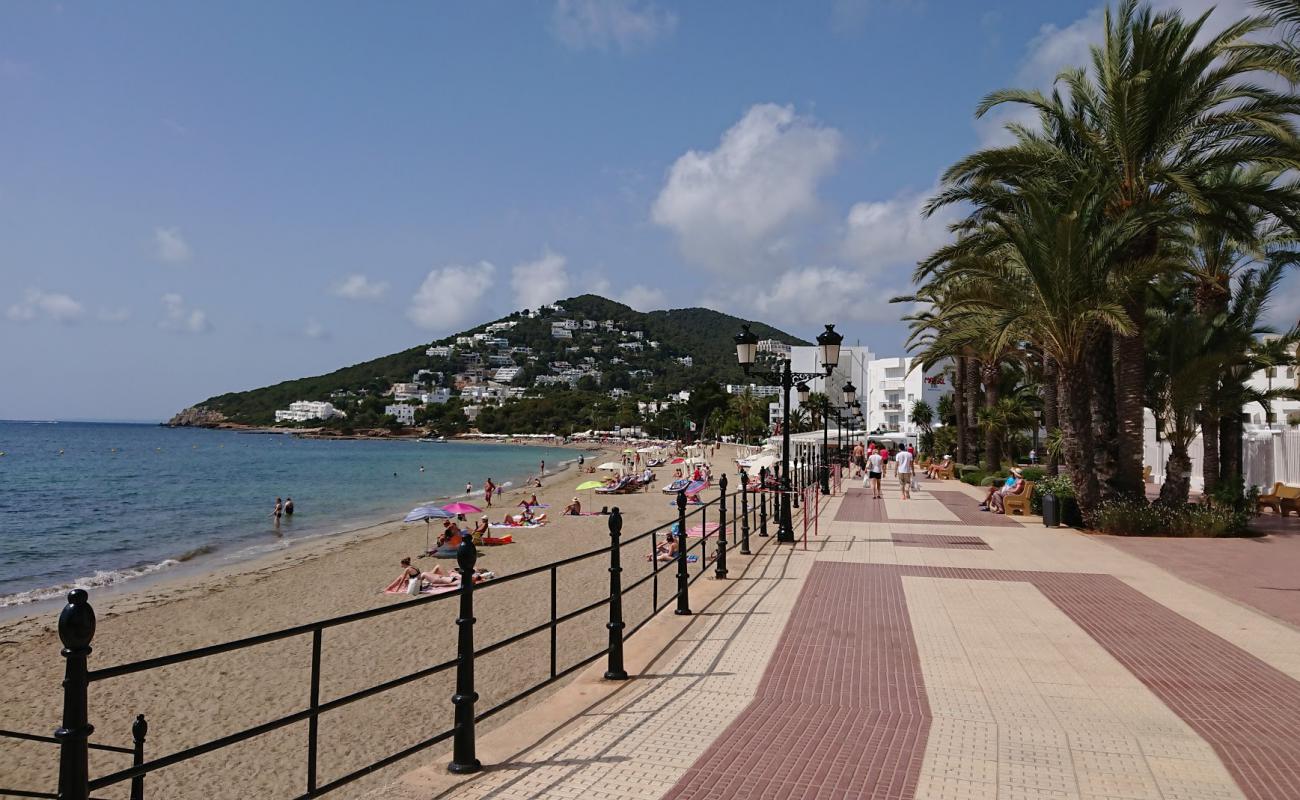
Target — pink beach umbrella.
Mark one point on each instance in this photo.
(462, 508)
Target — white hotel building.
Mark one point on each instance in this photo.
(892, 387)
(807, 358)
(303, 410)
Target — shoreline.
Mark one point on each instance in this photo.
(206, 561)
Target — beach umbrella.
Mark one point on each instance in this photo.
(462, 508)
(582, 487)
(629, 450)
(610, 465)
(427, 513)
(678, 460)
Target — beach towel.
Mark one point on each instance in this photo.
(524, 504)
(493, 541)
(701, 531)
(517, 525)
(399, 587)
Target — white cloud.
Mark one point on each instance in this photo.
(642, 298)
(832, 293)
(170, 247)
(449, 296)
(315, 330)
(114, 315)
(540, 282)
(179, 317)
(605, 24)
(53, 305)
(731, 206)
(359, 287)
(894, 232)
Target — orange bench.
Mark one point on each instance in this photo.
(1011, 502)
(1282, 499)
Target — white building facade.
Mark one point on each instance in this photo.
(404, 413)
(807, 358)
(304, 410)
(893, 386)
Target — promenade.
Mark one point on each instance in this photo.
(922, 649)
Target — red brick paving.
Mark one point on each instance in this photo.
(937, 540)
(1263, 573)
(842, 712)
(858, 506)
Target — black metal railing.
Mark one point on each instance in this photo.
(77, 626)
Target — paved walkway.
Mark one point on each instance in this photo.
(919, 649)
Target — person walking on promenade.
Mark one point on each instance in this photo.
(903, 468)
(874, 466)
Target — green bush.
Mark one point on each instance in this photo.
(1139, 518)
(1059, 485)
(963, 469)
(1034, 474)
(974, 476)
(990, 480)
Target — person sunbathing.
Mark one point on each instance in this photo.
(437, 577)
(573, 509)
(509, 520)
(480, 530)
(667, 549)
(530, 502)
(529, 518)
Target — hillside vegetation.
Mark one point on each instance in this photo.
(701, 333)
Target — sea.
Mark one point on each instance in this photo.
(100, 504)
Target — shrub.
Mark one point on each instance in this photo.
(1033, 474)
(974, 477)
(1139, 518)
(1059, 485)
(962, 469)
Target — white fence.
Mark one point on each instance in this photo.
(1268, 456)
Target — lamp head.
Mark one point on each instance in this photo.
(746, 347)
(803, 393)
(829, 343)
(850, 394)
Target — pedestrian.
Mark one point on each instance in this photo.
(469, 487)
(288, 506)
(488, 486)
(542, 467)
(279, 509)
(874, 466)
(903, 468)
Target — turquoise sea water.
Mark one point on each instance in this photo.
(96, 504)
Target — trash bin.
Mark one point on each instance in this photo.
(1051, 511)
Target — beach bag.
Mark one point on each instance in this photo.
(413, 585)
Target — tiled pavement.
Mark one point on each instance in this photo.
(1005, 661)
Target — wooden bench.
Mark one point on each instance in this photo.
(1282, 499)
(1146, 474)
(945, 473)
(1011, 502)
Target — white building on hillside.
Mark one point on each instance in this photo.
(439, 351)
(404, 413)
(304, 410)
(507, 374)
(406, 391)
(439, 396)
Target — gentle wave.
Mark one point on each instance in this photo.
(98, 580)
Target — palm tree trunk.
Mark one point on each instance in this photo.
(1079, 448)
(1209, 451)
(1104, 427)
(972, 407)
(959, 406)
(1130, 388)
(989, 374)
(1178, 476)
(1051, 420)
(1230, 432)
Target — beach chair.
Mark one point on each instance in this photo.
(945, 473)
(1146, 473)
(1282, 499)
(1012, 502)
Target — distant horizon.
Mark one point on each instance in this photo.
(86, 421)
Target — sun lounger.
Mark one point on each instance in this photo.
(677, 485)
(399, 587)
(493, 541)
(626, 485)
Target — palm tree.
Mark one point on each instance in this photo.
(1163, 108)
(746, 405)
(818, 406)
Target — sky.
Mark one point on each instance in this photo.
(206, 197)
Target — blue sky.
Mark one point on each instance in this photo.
(201, 197)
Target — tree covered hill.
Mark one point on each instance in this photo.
(651, 372)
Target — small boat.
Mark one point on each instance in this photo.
(431, 439)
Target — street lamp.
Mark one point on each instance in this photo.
(747, 354)
(1038, 422)
(829, 343)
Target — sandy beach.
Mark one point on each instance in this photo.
(187, 704)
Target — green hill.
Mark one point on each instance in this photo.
(650, 372)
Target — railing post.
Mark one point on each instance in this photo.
(762, 501)
(683, 578)
(720, 569)
(462, 760)
(139, 729)
(614, 670)
(76, 629)
(313, 702)
(744, 513)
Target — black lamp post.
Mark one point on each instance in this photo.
(747, 354)
(1038, 421)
